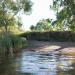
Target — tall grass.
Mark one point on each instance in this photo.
(10, 43)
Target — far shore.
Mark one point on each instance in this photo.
(40, 46)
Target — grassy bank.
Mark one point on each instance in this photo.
(11, 43)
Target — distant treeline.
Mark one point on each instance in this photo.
(50, 36)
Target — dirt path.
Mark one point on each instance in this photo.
(65, 47)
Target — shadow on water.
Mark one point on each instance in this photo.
(35, 63)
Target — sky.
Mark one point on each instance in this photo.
(40, 10)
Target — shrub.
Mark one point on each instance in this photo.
(50, 36)
(10, 43)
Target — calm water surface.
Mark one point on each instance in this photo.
(34, 63)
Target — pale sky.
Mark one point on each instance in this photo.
(40, 10)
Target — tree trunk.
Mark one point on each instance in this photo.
(6, 28)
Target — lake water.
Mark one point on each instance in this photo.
(35, 63)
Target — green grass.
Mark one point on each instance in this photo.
(9, 41)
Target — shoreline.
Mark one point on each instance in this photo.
(40, 46)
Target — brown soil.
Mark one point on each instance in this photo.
(64, 47)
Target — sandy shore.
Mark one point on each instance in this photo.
(64, 47)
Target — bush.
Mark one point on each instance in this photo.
(50, 36)
(10, 43)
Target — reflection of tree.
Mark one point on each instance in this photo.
(6, 67)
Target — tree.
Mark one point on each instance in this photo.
(32, 27)
(59, 25)
(42, 25)
(8, 17)
(9, 10)
(67, 13)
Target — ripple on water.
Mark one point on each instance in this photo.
(37, 63)
(32, 62)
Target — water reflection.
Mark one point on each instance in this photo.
(33, 63)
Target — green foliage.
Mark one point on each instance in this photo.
(42, 25)
(50, 36)
(49, 25)
(60, 26)
(8, 18)
(72, 25)
(9, 10)
(32, 27)
(5, 40)
(10, 42)
(67, 13)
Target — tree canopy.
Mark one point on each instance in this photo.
(42, 25)
(9, 10)
(67, 13)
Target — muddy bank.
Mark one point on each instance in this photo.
(64, 47)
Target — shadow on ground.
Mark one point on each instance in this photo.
(51, 46)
